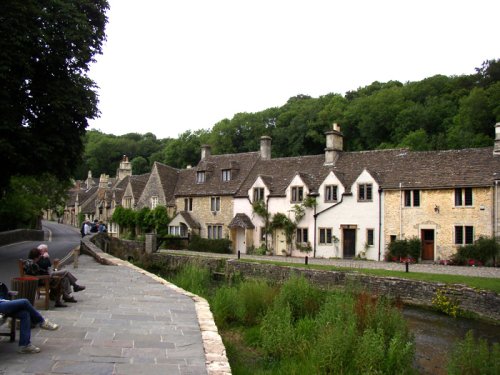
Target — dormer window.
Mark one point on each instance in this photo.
(331, 193)
(297, 194)
(200, 177)
(226, 175)
(258, 194)
(365, 192)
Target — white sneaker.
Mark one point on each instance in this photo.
(3, 319)
(48, 325)
(29, 349)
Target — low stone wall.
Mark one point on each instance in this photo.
(123, 249)
(18, 235)
(485, 304)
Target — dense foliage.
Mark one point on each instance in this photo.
(134, 222)
(46, 99)
(438, 112)
(46, 96)
(220, 246)
(405, 250)
(484, 251)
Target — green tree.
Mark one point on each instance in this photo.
(46, 96)
(140, 165)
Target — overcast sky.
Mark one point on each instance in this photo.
(174, 65)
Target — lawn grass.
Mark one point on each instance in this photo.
(486, 283)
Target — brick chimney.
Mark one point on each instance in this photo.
(334, 144)
(496, 148)
(206, 151)
(265, 147)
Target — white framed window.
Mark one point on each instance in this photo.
(226, 175)
(214, 232)
(464, 235)
(127, 202)
(365, 192)
(370, 237)
(188, 204)
(174, 230)
(302, 235)
(331, 193)
(200, 177)
(412, 198)
(215, 204)
(154, 202)
(297, 194)
(258, 194)
(463, 197)
(325, 236)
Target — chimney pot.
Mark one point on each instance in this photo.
(205, 151)
(265, 147)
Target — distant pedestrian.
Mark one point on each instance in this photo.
(94, 228)
(102, 227)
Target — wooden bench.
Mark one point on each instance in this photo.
(43, 284)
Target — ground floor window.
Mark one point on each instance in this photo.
(214, 231)
(464, 235)
(302, 236)
(325, 236)
(370, 237)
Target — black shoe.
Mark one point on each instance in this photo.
(78, 288)
(70, 299)
(60, 304)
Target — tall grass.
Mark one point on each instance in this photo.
(474, 357)
(193, 278)
(300, 329)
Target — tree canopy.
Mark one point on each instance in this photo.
(438, 112)
(46, 96)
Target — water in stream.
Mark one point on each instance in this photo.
(436, 334)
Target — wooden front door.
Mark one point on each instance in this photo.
(427, 237)
(240, 240)
(349, 243)
(280, 242)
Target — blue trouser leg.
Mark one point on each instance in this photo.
(26, 313)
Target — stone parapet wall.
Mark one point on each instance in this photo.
(19, 235)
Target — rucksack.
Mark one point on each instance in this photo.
(4, 291)
(82, 229)
(31, 268)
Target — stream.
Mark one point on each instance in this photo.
(436, 334)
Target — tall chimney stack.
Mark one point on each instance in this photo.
(205, 151)
(496, 148)
(334, 144)
(265, 147)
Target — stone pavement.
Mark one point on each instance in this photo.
(127, 321)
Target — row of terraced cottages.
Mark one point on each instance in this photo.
(363, 200)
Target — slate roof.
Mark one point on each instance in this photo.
(138, 183)
(190, 221)
(418, 170)
(168, 178)
(239, 164)
(241, 221)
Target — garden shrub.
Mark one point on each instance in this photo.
(220, 246)
(407, 249)
(486, 250)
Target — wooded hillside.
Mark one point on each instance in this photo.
(438, 112)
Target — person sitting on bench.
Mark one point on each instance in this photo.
(23, 310)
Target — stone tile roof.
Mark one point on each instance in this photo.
(189, 220)
(138, 183)
(241, 221)
(419, 170)
(213, 165)
(169, 177)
